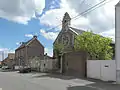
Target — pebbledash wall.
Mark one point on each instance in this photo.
(101, 69)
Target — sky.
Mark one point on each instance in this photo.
(21, 19)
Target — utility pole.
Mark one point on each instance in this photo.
(117, 41)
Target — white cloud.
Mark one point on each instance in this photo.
(100, 20)
(17, 43)
(49, 51)
(4, 49)
(54, 17)
(29, 35)
(20, 11)
(39, 6)
(49, 35)
(109, 33)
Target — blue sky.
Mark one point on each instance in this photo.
(19, 21)
(11, 33)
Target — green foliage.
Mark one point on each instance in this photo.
(97, 47)
(58, 48)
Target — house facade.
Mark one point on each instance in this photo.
(9, 61)
(67, 35)
(27, 50)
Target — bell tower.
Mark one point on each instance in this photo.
(66, 21)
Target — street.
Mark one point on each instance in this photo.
(43, 81)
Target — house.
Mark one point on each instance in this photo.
(46, 57)
(4, 62)
(70, 61)
(27, 50)
(9, 61)
(67, 35)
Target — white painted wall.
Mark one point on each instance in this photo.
(117, 41)
(101, 69)
(93, 69)
(117, 36)
(16, 67)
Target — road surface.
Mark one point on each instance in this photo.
(43, 81)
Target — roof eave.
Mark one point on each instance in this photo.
(74, 31)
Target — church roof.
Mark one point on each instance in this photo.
(79, 31)
(66, 15)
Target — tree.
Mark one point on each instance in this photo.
(58, 48)
(96, 46)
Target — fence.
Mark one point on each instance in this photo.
(101, 69)
(48, 65)
(34, 63)
(42, 65)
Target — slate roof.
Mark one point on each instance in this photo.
(24, 44)
(78, 32)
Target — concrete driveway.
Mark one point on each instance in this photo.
(44, 81)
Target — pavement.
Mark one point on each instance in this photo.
(47, 81)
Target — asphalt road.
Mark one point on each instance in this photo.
(43, 81)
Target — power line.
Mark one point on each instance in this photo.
(95, 8)
(82, 13)
(85, 12)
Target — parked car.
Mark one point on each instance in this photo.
(5, 67)
(0, 66)
(25, 70)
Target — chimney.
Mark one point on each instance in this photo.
(22, 42)
(34, 36)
